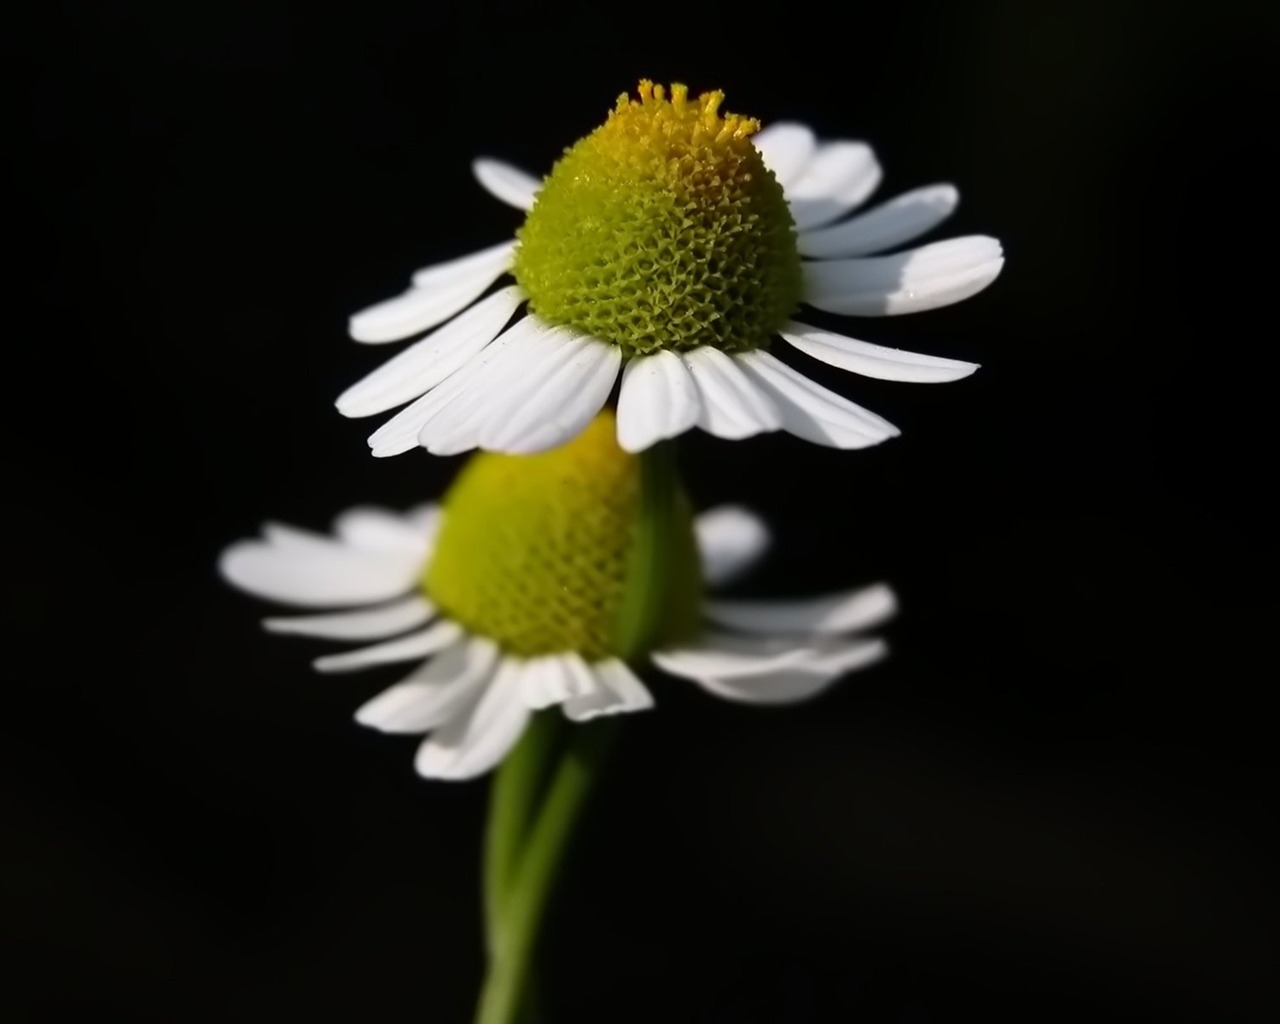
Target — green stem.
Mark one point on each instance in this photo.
(511, 944)
(524, 846)
(512, 801)
(644, 600)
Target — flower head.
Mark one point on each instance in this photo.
(674, 244)
(681, 238)
(513, 596)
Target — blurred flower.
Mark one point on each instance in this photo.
(509, 596)
(673, 244)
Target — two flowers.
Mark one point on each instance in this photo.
(670, 248)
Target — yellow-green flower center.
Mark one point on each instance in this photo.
(663, 229)
(536, 551)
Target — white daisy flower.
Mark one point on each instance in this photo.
(673, 245)
(507, 598)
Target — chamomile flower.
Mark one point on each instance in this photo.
(509, 596)
(672, 245)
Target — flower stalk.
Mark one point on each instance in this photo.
(514, 927)
(533, 806)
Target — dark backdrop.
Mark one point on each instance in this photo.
(1053, 803)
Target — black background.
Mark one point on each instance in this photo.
(1054, 802)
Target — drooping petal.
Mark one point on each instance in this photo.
(405, 429)
(564, 381)
(452, 416)
(480, 389)
(786, 148)
(370, 624)
(425, 518)
(436, 691)
(731, 539)
(813, 412)
(480, 736)
(790, 685)
(425, 363)
(435, 637)
(313, 571)
(729, 655)
(783, 687)
(438, 292)
(380, 529)
(505, 182)
(826, 615)
(732, 405)
(928, 277)
(554, 678)
(287, 537)
(873, 360)
(617, 690)
(838, 179)
(659, 400)
(900, 220)
(464, 268)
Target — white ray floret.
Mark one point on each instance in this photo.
(888, 225)
(464, 381)
(732, 405)
(873, 360)
(438, 293)
(933, 275)
(659, 399)
(503, 181)
(472, 699)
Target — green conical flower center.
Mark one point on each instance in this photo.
(663, 229)
(536, 551)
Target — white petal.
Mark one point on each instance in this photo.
(538, 682)
(387, 620)
(900, 220)
(839, 178)
(425, 363)
(563, 381)
(438, 292)
(873, 360)
(933, 275)
(503, 181)
(733, 406)
(403, 431)
(478, 391)
(476, 740)
(786, 148)
(731, 539)
(314, 571)
(380, 529)
(426, 519)
(464, 268)
(284, 536)
(555, 678)
(436, 691)
(659, 400)
(416, 645)
(451, 420)
(400, 433)
(617, 690)
(787, 686)
(813, 412)
(729, 655)
(825, 615)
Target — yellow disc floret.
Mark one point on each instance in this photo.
(663, 229)
(536, 550)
